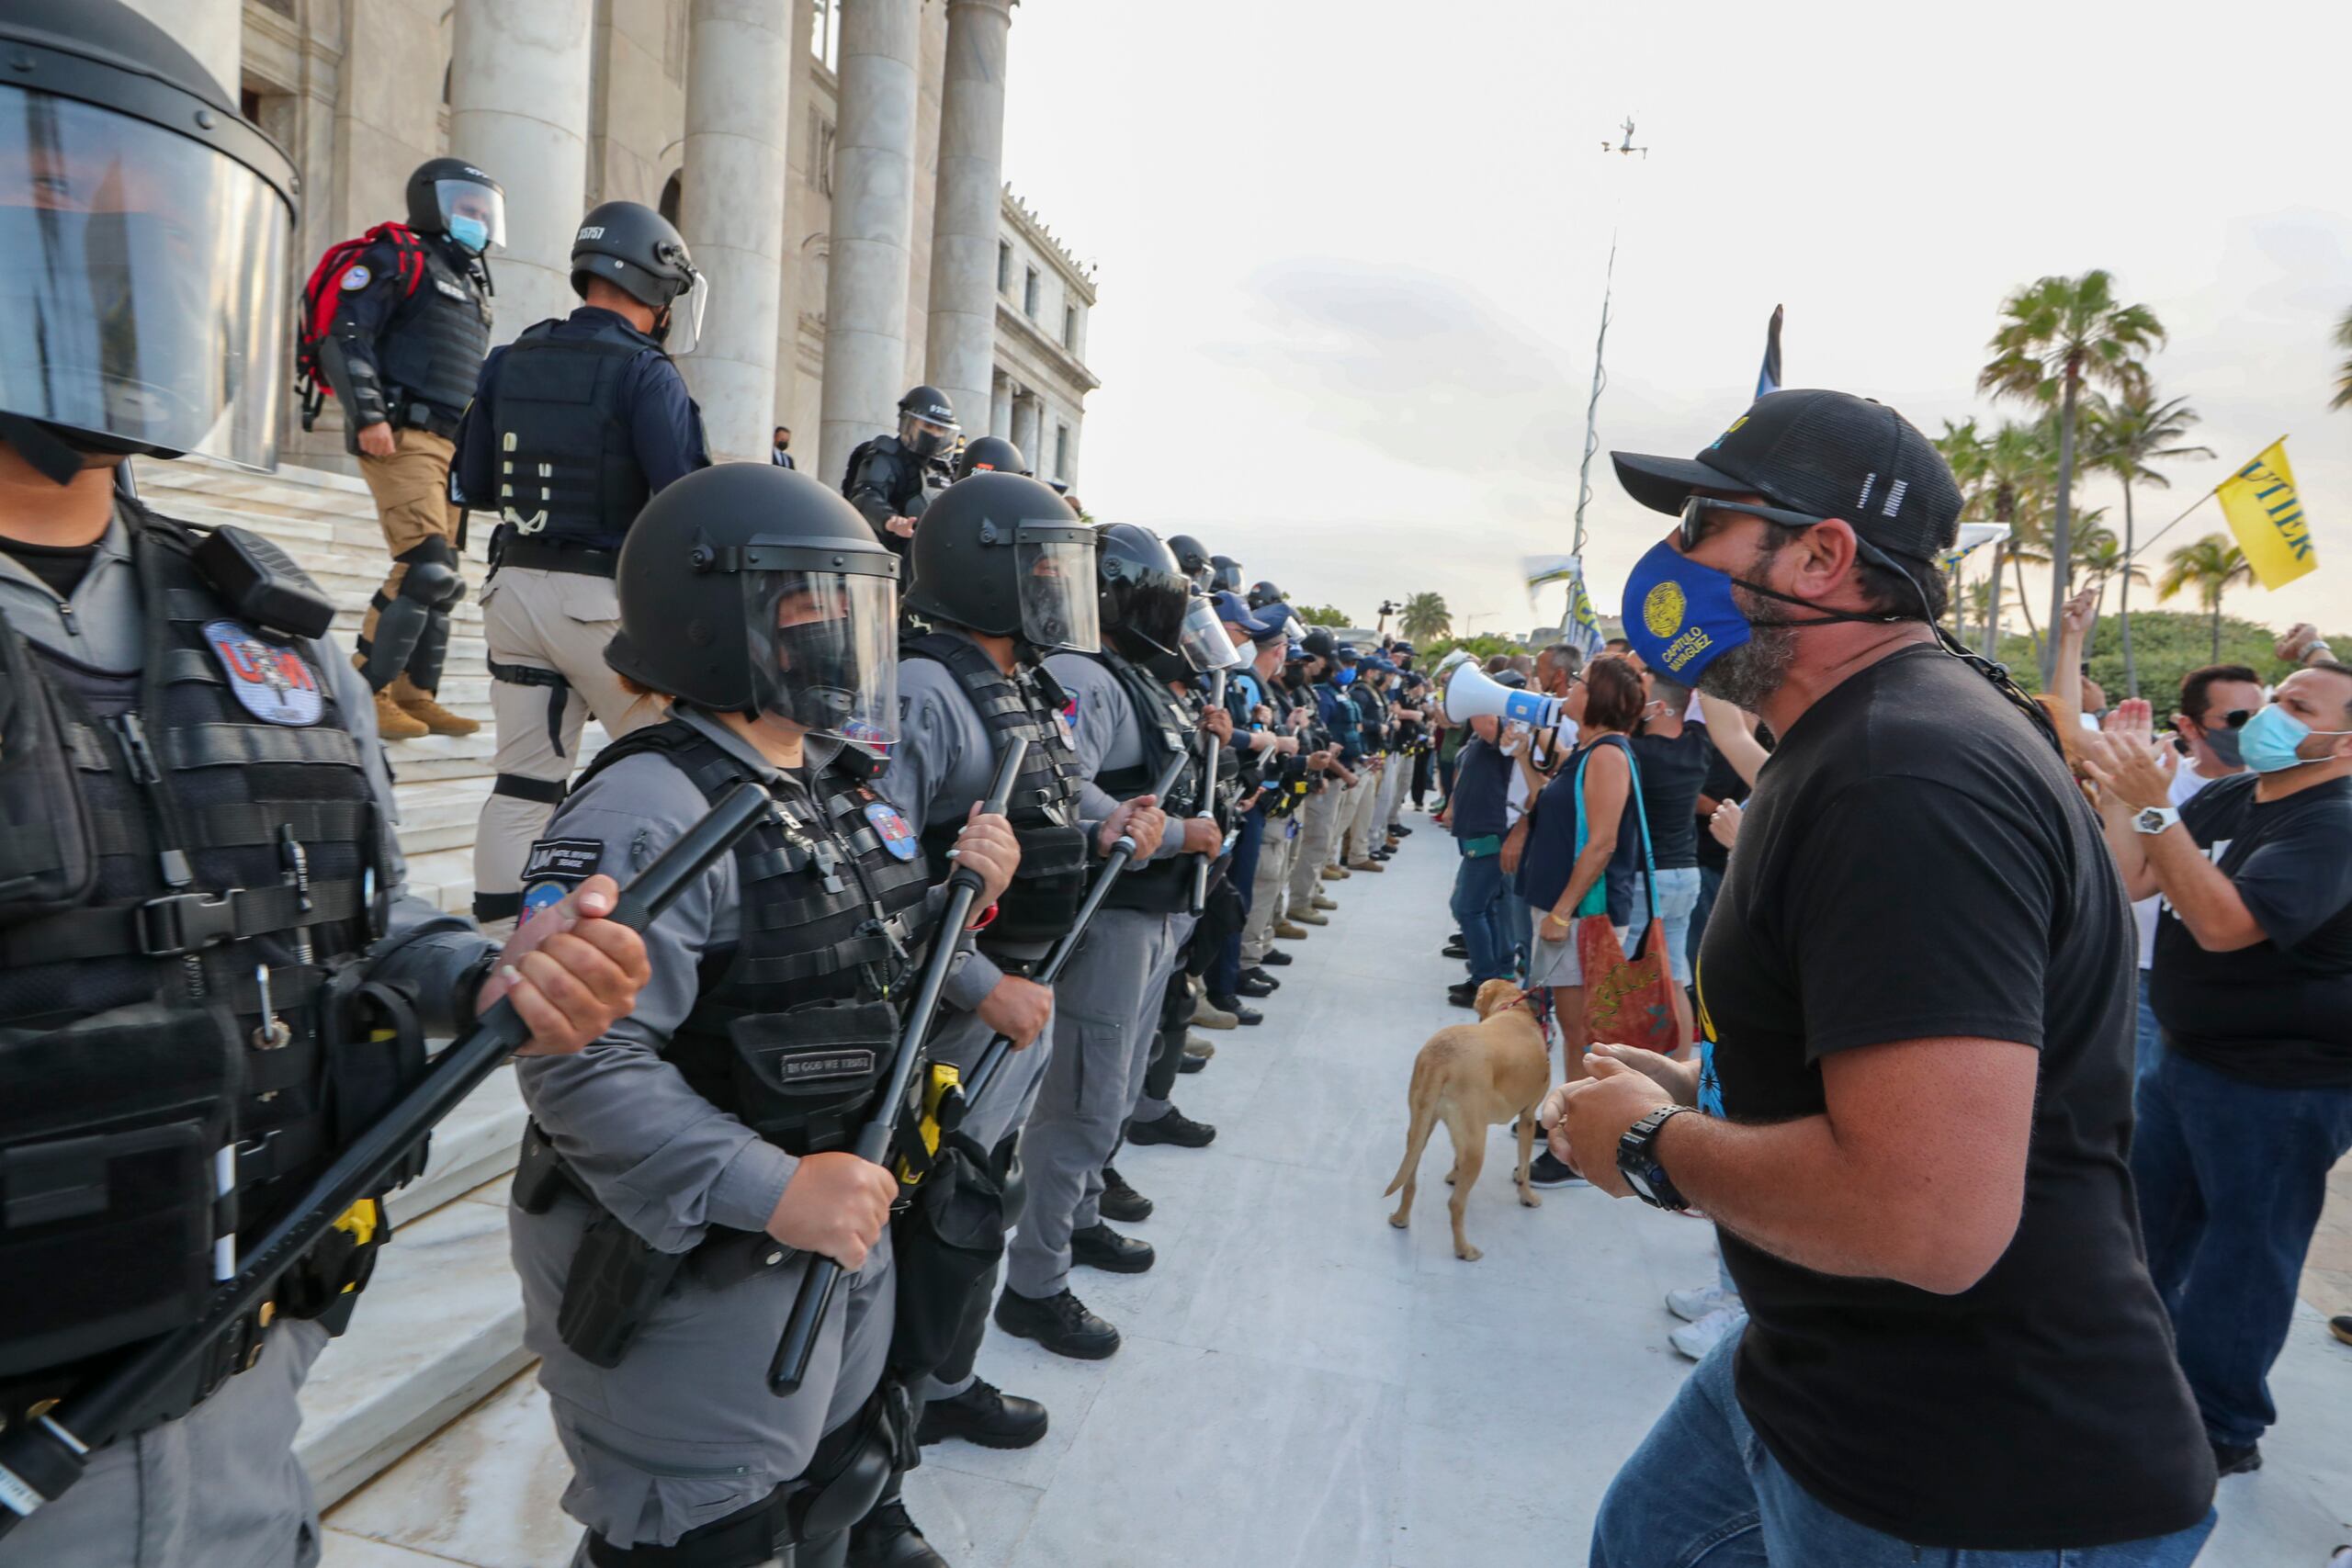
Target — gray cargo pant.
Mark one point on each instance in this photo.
(218, 1486)
(1106, 1008)
(684, 1430)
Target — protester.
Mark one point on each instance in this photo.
(1675, 758)
(1477, 809)
(2247, 1102)
(1915, 1014)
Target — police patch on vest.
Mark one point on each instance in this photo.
(891, 827)
(454, 290)
(272, 682)
(357, 277)
(567, 861)
(826, 1065)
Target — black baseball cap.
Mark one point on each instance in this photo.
(1828, 453)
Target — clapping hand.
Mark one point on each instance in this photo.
(2124, 760)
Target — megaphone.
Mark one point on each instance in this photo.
(1471, 692)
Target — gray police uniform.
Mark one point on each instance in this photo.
(654, 1134)
(1106, 1008)
(944, 762)
(219, 1484)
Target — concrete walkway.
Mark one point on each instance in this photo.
(1303, 1386)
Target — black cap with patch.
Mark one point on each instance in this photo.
(1828, 453)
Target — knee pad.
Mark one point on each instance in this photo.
(431, 584)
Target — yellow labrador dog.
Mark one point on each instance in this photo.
(1471, 1075)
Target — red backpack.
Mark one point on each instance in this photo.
(319, 304)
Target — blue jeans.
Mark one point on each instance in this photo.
(1225, 970)
(1677, 899)
(2231, 1176)
(1479, 910)
(1519, 933)
(1711, 882)
(1702, 1492)
(2149, 1035)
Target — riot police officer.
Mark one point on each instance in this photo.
(696, 1159)
(1127, 725)
(1004, 575)
(576, 424)
(1192, 559)
(211, 977)
(888, 479)
(412, 321)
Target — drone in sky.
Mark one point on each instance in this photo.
(1626, 146)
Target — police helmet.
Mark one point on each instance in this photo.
(145, 226)
(747, 588)
(1320, 644)
(1001, 554)
(1143, 598)
(989, 453)
(1192, 557)
(449, 196)
(1225, 575)
(628, 244)
(927, 422)
(1264, 593)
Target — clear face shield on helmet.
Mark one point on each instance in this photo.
(824, 643)
(144, 282)
(686, 307)
(1055, 563)
(471, 213)
(926, 439)
(1203, 642)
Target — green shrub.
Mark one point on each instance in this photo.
(2166, 645)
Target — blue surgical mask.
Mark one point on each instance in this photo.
(1680, 616)
(1345, 677)
(2270, 739)
(471, 232)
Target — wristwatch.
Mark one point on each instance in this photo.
(1638, 1163)
(2156, 818)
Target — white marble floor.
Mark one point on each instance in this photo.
(1303, 1386)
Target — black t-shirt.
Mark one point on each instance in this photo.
(1672, 771)
(1722, 783)
(1916, 863)
(61, 567)
(2278, 1012)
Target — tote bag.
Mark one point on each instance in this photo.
(1627, 1001)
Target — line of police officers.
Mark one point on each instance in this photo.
(211, 977)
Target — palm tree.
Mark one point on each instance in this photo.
(2014, 472)
(2128, 434)
(2209, 566)
(1965, 452)
(2057, 336)
(2104, 560)
(2343, 372)
(1425, 617)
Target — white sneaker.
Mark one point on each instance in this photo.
(1695, 1339)
(1693, 1306)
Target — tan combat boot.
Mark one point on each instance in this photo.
(394, 724)
(421, 708)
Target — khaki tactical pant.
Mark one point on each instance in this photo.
(546, 632)
(1363, 800)
(412, 493)
(1318, 825)
(1268, 889)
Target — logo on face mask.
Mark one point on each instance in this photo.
(1662, 610)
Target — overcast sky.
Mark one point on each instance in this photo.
(1351, 250)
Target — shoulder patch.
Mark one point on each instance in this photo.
(540, 895)
(356, 275)
(555, 867)
(272, 680)
(892, 830)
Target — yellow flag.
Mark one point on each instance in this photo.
(2268, 517)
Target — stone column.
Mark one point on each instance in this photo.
(1028, 419)
(1001, 406)
(964, 220)
(518, 110)
(867, 273)
(212, 30)
(733, 213)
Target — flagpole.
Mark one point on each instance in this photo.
(1592, 408)
(2194, 504)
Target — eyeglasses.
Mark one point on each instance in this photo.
(1695, 510)
(2234, 719)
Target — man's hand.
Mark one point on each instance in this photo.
(1287, 744)
(1583, 1121)
(1219, 723)
(2296, 646)
(1140, 820)
(1201, 835)
(1723, 826)
(1514, 846)
(376, 440)
(1018, 1010)
(902, 526)
(1248, 802)
(571, 973)
(2129, 768)
(1320, 761)
(1679, 1080)
(2074, 621)
(835, 1204)
(986, 844)
(2132, 716)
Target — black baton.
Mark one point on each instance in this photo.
(39, 1460)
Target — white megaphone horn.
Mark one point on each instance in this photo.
(1471, 692)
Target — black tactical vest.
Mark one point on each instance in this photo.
(431, 350)
(1161, 886)
(567, 460)
(794, 1026)
(225, 825)
(1043, 900)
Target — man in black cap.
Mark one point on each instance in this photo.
(1911, 1108)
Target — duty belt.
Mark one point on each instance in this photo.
(181, 923)
(515, 551)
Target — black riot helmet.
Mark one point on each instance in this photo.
(1261, 594)
(145, 228)
(747, 588)
(635, 248)
(1002, 555)
(449, 196)
(1225, 575)
(927, 422)
(1192, 557)
(1144, 597)
(990, 455)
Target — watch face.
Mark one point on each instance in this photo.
(1639, 1181)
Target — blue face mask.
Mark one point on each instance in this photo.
(471, 232)
(2270, 738)
(1680, 616)
(1344, 676)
